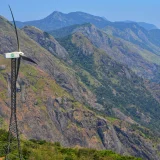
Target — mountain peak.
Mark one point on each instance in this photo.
(55, 15)
(80, 13)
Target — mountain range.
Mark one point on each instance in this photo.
(96, 85)
(145, 25)
(58, 20)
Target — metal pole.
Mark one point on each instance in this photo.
(13, 127)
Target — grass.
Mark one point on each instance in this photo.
(112, 119)
(40, 150)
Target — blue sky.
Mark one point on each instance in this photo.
(113, 10)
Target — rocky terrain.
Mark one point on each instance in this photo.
(47, 112)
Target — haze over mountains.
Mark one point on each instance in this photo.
(96, 85)
(145, 25)
(58, 20)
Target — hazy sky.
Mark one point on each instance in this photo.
(113, 10)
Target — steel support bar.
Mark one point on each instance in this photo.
(13, 135)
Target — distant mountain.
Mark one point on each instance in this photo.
(145, 25)
(134, 33)
(129, 31)
(58, 20)
(155, 36)
(138, 48)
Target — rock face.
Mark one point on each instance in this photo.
(133, 143)
(2, 67)
(46, 41)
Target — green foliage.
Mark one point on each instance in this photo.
(3, 140)
(120, 87)
(63, 32)
(40, 150)
(145, 132)
(57, 144)
(41, 142)
(46, 34)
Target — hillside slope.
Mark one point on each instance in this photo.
(56, 68)
(95, 68)
(56, 103)
(47, 112)
(142, 61)
(141, 54)
(119, 87)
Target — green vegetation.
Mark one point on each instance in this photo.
(39, 81)
(40, 150)
(145, 132)
(112, 119)
(63, 32)
(118, 85)
(3, 140)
